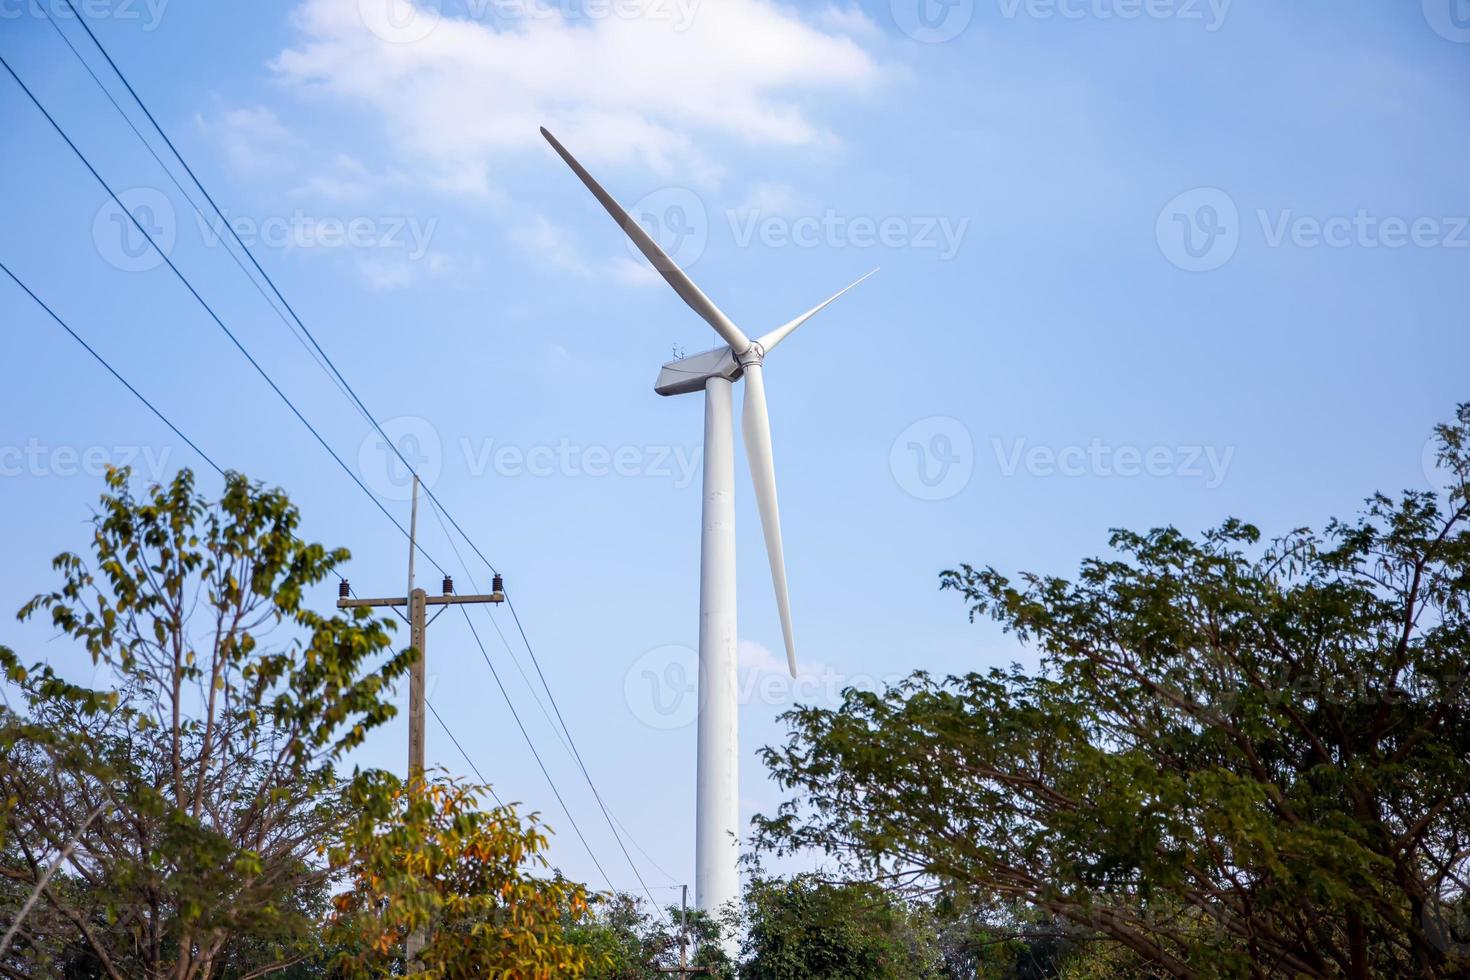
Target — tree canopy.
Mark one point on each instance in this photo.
(1238, 758)
(182, 815)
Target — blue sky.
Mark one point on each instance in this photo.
(1142, 263)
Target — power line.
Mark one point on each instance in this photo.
(352, 394)
(470, 577)
(566, 742)
(186, 195)
(578, 755)
(110, 369)
(343, 384)
(468, 761)
(537, 755)
(206, 457)
(209, 309)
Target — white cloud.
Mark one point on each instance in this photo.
(253, 140)
(769, 198)
(346, 179)
(389, 269)
(758, 659)
(848, 20)
(631, 272)
(554, 245)
(544, 238)
(619, 89)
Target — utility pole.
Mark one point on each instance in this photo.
(684, 970)
(418, 602)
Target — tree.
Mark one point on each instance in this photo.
(424, 856)
(805, 928)
(1236, 760)
(622, 940)
(190, 796)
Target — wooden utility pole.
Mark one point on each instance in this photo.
(418, 603)
(684, 970)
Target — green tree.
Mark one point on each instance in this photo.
(805, 928)
(624, 941)
(423, 856)
(191, 794)
(1236, 760)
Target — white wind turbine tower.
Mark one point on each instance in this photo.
(717, 834)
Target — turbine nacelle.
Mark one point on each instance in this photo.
(742, 357)
(688, 375)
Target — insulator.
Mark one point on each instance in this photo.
(343, 589)
(499, 585)
(448, 585)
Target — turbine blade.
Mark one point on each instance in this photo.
(755, 425)
(683, 285)
(770, 340)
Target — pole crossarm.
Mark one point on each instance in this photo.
(433, 600)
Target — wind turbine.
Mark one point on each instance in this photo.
(717, 805)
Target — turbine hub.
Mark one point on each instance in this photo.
(754, 354)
